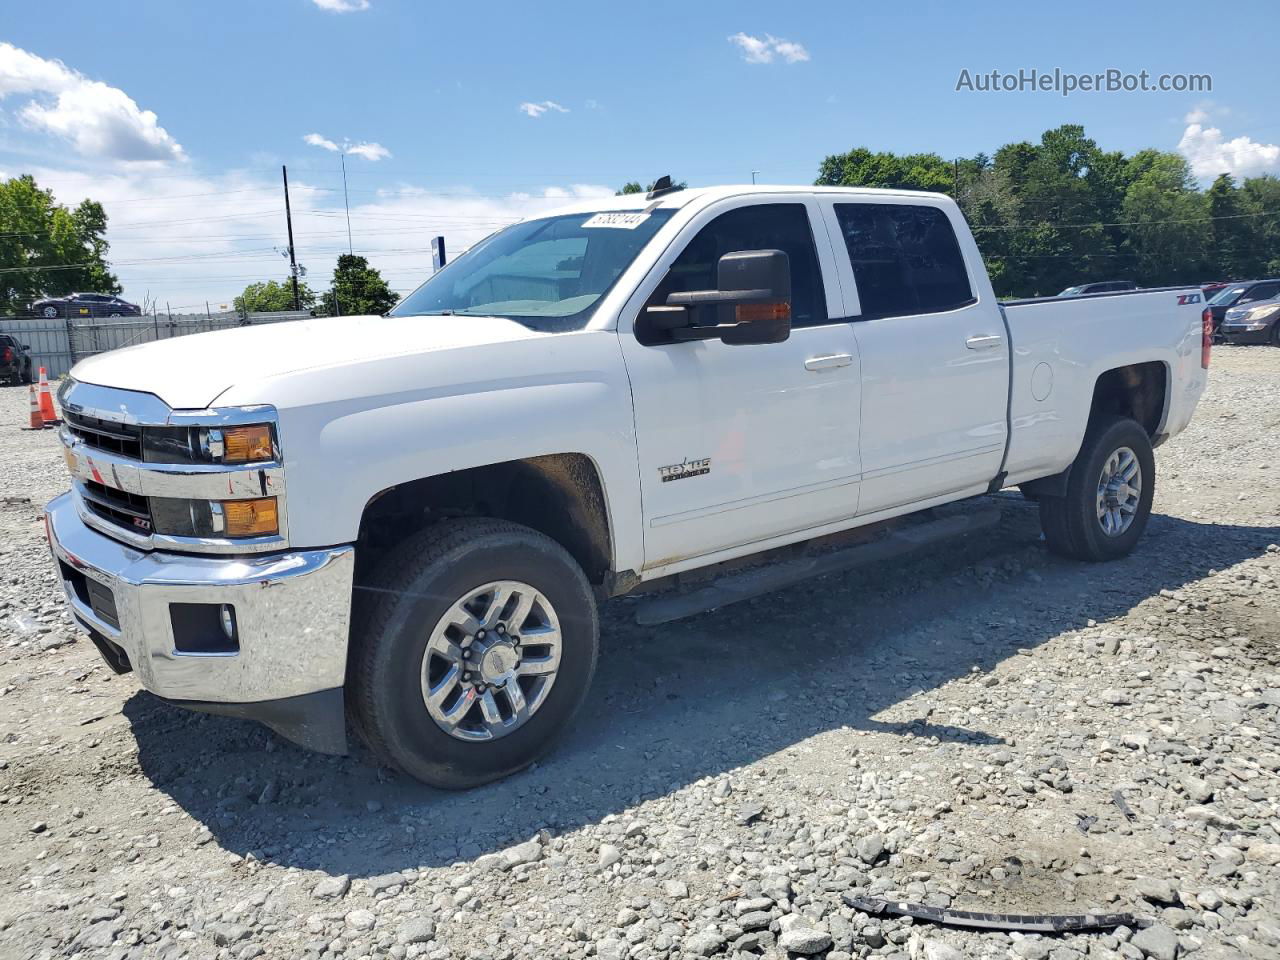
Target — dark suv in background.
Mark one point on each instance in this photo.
(85, 305)
(1237, 294)
(15, 360)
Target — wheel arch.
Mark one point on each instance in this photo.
(1139, 391)
(560, 495)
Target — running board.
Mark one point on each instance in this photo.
(746, 584)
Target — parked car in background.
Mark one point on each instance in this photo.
(1211, 289)
(85, 305)
(15, 360)
(1238, 294)
(1255, 322)
(1101, 286)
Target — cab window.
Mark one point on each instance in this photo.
(764, 226)
(905, 259)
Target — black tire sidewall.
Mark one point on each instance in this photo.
(1103, 440)
(411, 738)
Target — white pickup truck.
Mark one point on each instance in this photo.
(414, 531)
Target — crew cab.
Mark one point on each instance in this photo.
(416, 531)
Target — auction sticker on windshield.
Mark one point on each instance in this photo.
(622, 221)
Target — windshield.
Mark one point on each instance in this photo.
(548, 274)
(1226, 295)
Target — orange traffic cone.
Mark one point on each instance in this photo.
(37, 420)
(47, 413)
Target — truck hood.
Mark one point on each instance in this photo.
(191, 372)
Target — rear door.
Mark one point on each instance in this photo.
(739, 444)
(935, 357)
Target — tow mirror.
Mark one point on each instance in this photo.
(751, 304)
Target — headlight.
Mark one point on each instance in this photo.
(1261, 313)
(251, 443)
(215, 518)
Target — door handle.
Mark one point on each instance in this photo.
(984, 342)
(828, 362)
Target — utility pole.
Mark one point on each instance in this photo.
(345, 203)
(753, 175)
(293, 260)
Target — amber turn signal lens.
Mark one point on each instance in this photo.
(245, 444)
(250, 518)
(762, 312)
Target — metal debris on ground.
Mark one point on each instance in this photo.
(1120, 802)
(1083, 823)
(1030, 922)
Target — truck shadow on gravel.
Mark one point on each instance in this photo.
(676, 703)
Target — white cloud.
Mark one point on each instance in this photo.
(764, 50)
(185, 238)
(1210, 154)
(99, 121)
(342, 6)
(370, 151)
(318, 141)
(538, 109)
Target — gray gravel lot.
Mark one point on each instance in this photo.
(944, 730)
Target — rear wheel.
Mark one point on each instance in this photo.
(1109, 494)
(473, 648)
(1275, 334)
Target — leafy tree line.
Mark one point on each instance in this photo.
(357, 288)
(1052, 214)
(47, 249)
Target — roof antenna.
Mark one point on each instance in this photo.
(662, 186)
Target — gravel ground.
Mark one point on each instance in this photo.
(949, 730)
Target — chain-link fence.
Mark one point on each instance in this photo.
(56, 344)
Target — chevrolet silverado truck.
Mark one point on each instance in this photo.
(414, 533)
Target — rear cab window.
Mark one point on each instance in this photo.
(906, 259)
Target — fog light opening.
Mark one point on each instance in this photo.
(228, 617)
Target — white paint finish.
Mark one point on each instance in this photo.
(934, 386)
(1080, 339)
(779, 421)
(915, 417)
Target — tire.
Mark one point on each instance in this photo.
(49, 312)
(1071, 524)
(411, 593)
(1275, 334)
(26, 376)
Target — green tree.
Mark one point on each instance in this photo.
(268, 296)
(47, 249)
(1165, 218)
(862, 168)
(358, 289)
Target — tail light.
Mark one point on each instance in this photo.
(1206, 337)
(8, 354)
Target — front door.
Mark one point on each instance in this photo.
(738, 444)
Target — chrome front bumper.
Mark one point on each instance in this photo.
(292, 612)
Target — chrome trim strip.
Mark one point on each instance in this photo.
(195, 481)
(146, 409)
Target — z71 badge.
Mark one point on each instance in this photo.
(685, 469)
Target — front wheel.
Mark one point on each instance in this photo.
(474, 645)
(1109, 493)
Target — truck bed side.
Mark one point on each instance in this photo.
(1062, 346)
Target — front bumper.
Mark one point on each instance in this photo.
(1237, 334)
(291, 613)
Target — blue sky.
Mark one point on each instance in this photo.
(430, 95)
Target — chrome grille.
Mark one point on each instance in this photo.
(122, 438)
(127, 510)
